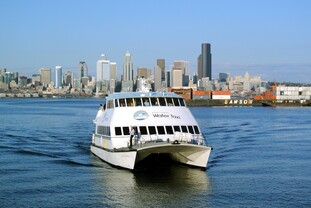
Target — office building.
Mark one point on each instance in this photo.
(58, 77)
(82, 70)
(157, 78)
(45, 76)
(161, 64)
(127, 67)
(143, 72)
(205, 62)
(103, 69)
(113, 71)
(68, 78)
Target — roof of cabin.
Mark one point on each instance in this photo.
(142, 94)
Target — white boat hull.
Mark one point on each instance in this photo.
(188, 154)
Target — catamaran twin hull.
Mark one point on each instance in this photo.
(189, 154)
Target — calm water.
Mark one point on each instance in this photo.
(261, 158)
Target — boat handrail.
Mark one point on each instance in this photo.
(179, 136)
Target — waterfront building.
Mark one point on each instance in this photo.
(8, 77)
(45, 76)
(157, 78)
(168, 78)
(224, 77)
(103, 69)
(143, 72)
(127, 67)
(58, 77)
(22, 81)
(68, 78)
(161, 64)
(293, 93)
(113, 71)
(205, 62)
(82, 70)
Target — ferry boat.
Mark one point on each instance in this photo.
(162, 123)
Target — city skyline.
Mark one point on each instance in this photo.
(268, 38)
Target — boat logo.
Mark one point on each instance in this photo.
(141, 115)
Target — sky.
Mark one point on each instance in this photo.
(267, 38)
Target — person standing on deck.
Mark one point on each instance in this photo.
(132, 133)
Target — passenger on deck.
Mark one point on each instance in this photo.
(132, 134)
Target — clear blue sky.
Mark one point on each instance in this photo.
(269, 38)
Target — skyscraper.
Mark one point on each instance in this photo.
(161, 64)
(113, 70)
(45, 76)
(205, 62)
(82, 70)
(58, 76)
(127, 67)
(157, 78)
(103, 69)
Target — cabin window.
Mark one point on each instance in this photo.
(100, 130)
(169, 129)
(116, 104)
(169, 101)
(176, 102)
(160, 129)
(182, 102)
(154, 101)
(146, 102)
(103, 130)
(190, 128)
(152, 130)
(143, 130)
(130, 102)
(122, 102)
(196, 129)
(162, 102)
(126, 130)
(184, 129)
(177, 128)
(110, 104)
(281, 92)
(118, 131)
(138, 102)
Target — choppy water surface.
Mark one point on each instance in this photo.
(261, 158)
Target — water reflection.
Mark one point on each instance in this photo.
(160, 186)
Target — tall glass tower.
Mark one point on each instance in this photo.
(205, 62)
(127, 67)
(58, 76)
(82, 70)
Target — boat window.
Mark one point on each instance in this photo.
(116, 104)
(196, 129)
(169, 101)
(176, 128)
(110, 104)
(122, 102)
(154, 101)
(118, 131)
(169, 129)
(126, 130)
(162, 102)
(146, 102)
(130, 102)
(103, 130)
(143, 130)
(184, 129)
(182, 102)
(100, 130)
(152, 130)
(138, 102)
(160, 129)
(190, 128)
(107, 131)
(176, 102)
